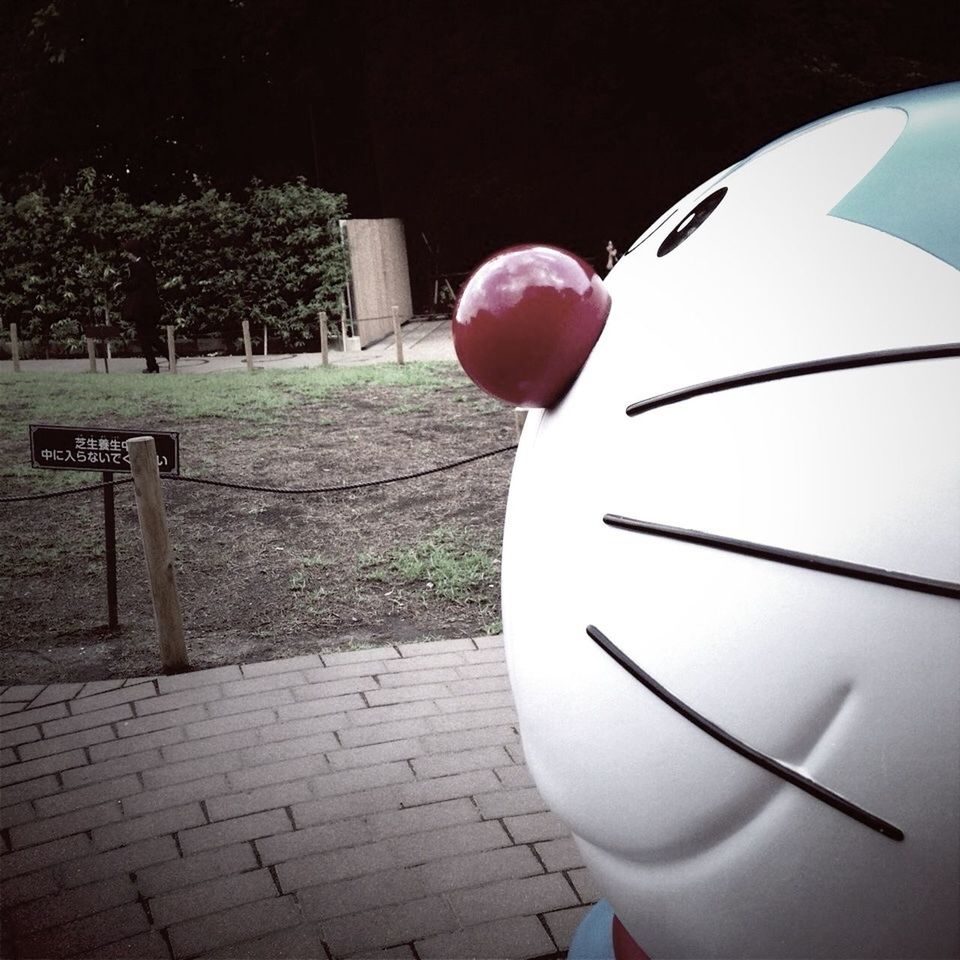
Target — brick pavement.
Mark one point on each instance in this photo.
(366, 803)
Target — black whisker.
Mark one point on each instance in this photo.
(768, 763)
(849, 362)
(794, 558)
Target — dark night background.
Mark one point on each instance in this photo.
(479, 123)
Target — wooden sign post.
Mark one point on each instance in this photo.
(324, 347)
(247, 345)
(171, 348)
(14, 348)
(158, 553)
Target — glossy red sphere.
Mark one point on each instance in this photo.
(526, 322)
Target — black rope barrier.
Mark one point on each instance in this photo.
(281, 490)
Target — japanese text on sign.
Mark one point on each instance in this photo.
(93, 448)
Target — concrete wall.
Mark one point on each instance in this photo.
(380, 275)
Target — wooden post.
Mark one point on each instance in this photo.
(171, 348)
(324, 349)
(264, 339)
(92, 354)
(14, 348)
(247, 345)
(396, 333)
(158, 553)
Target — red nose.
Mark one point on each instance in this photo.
(526, 322)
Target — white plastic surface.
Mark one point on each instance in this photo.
(702, 853)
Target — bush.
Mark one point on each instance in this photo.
(271, 256)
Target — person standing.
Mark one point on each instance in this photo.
(141, 302)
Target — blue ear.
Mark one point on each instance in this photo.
(914, 190)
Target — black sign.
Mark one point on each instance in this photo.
(93, 448)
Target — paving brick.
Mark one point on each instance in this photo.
(302, 942)
(143, 946)
(507, 803)
(69, 905)
(361, 778)
(226, 832)
(585, 885)
(133, 681)
(515, 776)
(252, 685)
(448, 788)
(384, 926)
(531, 827)
(230, 926)
(31, 769)
(57, 693)
(473, 720)
(28, 886)
(101, 792)
(69, 741)
(100, 928)
(382, 732)
(175, 795)
(418, 819)
(469, 739)
(402, 952)
(448, 842)
(8, 756)
(96, 718)
(476, 701)
(111, 769)
(224, 743)
(266, 774)
(513, 937)
(359, 656)
(211, 896)
(308, 726)
(430, 661)
(361, 893)
(186, 871)
(8, 708)
(487, 642)
(174, 701)
(334, 688)
(507, 898)
(412, 678)
(474, 671)
(374, 753)
(44, 855)
(563, 924)
(397, 711)
(134, 744)
(315, 708)
(153, 824)
(21, 792)
(336, 865)
(287, 665)
(443, 764)
(424, 691)
(13, 738)
(268, 700)
(230, 724)
(516, 752)
(344, 807)
(560, 854)
(115, 697)
(252, 801)
(366, 668)
(99, 686)
(162, 721)
(429, 647)
(103, 865)
(487, 655)
(24, 718)
(465, 688)
(320, 839)
(199, 678)
(23, 693)
(173, 773)
(454, 873)
(289, 749)
(11, 815)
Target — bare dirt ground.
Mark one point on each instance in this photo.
(262, 575)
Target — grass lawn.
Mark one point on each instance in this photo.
(260, 575)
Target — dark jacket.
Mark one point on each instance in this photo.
(141, 302)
